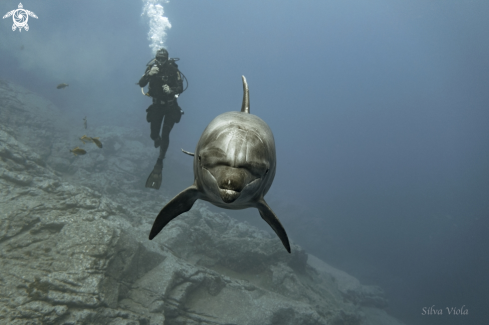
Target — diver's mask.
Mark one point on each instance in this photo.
(161, 56)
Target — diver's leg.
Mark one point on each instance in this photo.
(154, 179)
(173, 114)
(165, 135)
(155, 117)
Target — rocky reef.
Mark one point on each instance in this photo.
(74, 245)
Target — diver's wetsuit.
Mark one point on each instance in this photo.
(164, 105)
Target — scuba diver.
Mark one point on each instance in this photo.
(165, 85)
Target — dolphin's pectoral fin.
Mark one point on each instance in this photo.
(267, 214)
(178, 205)
(188, 152)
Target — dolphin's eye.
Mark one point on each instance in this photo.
(267, 171)
(200, 159)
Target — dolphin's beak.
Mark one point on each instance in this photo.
(228, 196)
(231, 181)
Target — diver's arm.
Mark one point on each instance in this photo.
(177, 84)
(144, 80)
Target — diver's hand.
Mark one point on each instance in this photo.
(154, 70)
(167, 89)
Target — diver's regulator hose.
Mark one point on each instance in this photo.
(145, 94)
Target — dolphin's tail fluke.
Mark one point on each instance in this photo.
(178, 205)
(267, 214)
(245, 107)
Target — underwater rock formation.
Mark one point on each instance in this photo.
(74, 247)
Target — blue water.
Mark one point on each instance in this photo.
(380, 111)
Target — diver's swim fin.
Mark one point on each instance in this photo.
(178, 205)
(267, 214)
(154, 179)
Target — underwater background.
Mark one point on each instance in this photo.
(379, 109)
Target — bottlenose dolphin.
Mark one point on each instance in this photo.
(234, 167)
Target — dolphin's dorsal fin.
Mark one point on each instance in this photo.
(245, 107)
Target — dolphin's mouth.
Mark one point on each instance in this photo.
(228, 196)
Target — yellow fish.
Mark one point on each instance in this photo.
(78, 151)
(97, 142)
(85, 138)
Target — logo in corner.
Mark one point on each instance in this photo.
(20, 17)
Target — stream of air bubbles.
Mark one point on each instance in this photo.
(158, 23)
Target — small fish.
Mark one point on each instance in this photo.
(21, 47)
(78, 151)
(85, 122)
(85, 139)
(61, 86)
(97, 142)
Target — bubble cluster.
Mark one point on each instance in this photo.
(158, 23)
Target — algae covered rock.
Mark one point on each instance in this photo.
(74, 245)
